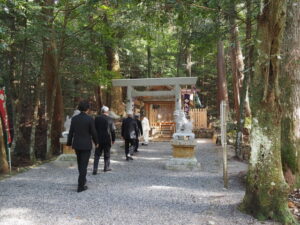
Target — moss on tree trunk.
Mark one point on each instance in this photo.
(290, 151)
(290, 80)
(266, 189)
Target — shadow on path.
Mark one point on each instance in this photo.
(135, 192)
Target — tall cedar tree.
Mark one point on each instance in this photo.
(290, 78)
(266, 189)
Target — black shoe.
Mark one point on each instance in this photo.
(80, 189)
(130, 157)
(136, 151)
(127, 158)
(94, 172)
(106, 170)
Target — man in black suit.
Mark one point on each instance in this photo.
(129, 132)
(81, 134)
(106, 135)
(139, 133)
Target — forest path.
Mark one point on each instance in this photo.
(133, 193)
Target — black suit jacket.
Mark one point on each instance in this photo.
(105, 129)
(81, 132)
(139, 123)
(129, 129)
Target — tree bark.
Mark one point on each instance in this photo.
(58, 111)
(98, 97)
(189, 62)
(266, 189)
(179, 54)
(50, 73)
(3, 161)
(57, 120)
(23, 110)
(149, 61)
(12, 80)
(290, 78)
(36, 101)
(237, 63)
(249, 60)
(222, 83)
(41, 129)
(244, 105)
(22, 139)
(114, 96)
(113, 65)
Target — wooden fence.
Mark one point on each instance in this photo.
(153, 117)
(199, 118)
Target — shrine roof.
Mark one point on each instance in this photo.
(155, 81)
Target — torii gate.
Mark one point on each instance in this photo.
(175, 82)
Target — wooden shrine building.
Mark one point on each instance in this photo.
(158, 98)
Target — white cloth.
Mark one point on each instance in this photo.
(67, 123)
(146, 129)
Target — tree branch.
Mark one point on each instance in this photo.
(67, 9)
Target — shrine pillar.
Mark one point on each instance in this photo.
(177, 97)
(129, 102)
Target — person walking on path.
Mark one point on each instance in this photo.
(129, 132)
(146, 129)
(81, 134)
(105, 128)
(139, 133)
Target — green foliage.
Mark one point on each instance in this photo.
(83, 29)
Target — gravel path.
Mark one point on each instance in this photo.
(137, 192)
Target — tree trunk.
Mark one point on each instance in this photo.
(57, 120)
(98, 97)
(244, 105)
(188, 62)
(58, 111)
(34, 123)
(149, 60)
(249, 60)
(3, 161)
(76, 98)
(237, 63)
(290, 78)
(266, 190)
(179, 55)
(23, 111)
(50, 73)
(12, 80)
(41, 129)
(113, 65)
(222, 83)
(22, 139)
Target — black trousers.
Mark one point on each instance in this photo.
(129, 146)
(137, 141)
(83, 157)
(98, 153)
